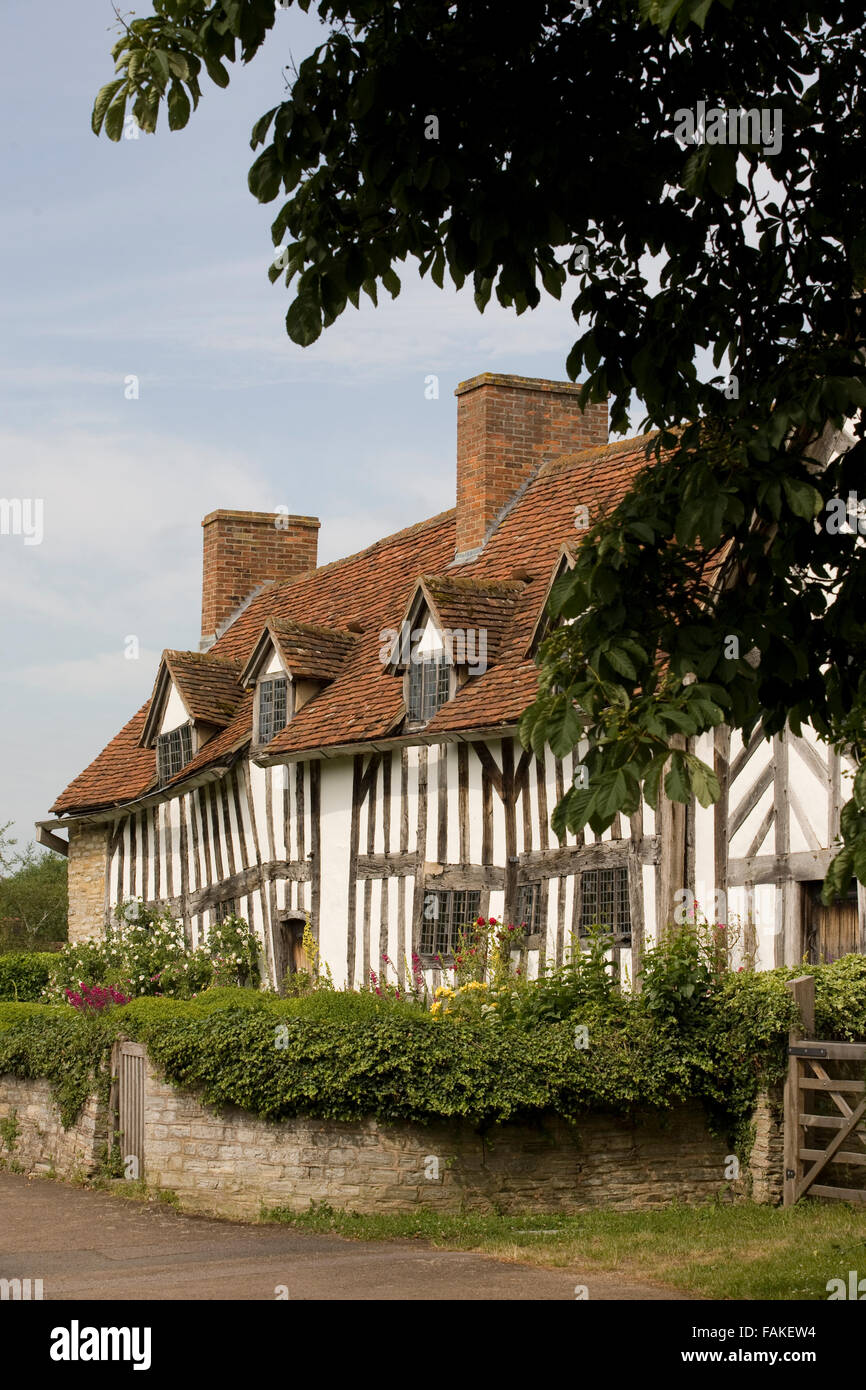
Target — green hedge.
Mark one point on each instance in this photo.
(24, 974)
(342, 1055)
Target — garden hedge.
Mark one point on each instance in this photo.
(344, 1055)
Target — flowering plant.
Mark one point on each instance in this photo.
(94, 998)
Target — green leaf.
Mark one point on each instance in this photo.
(677, 782)
(705, 783)
(304, 320)
(620, 663)
(215, 71)
(104, 98)
(114, 118)
(178, 107)
(564, 728)
(261, 127)
(803, 499)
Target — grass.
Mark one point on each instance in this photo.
(712, 1251)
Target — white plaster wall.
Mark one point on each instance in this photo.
(175, 712)
(336, 827)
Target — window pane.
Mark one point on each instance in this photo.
(605, 901)
(415, 679)
(173, 752)
(273, 704)
(446, 913)
(429, 687)
(528, 901)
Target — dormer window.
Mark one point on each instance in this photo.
(290, 665)
(450, 634)
(194, 696)
(272, 706)
(429, 686)
(173, 752)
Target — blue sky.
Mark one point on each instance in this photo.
(149, 258)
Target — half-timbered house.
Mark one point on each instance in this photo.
(343, 747)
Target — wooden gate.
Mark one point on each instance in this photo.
(816, 1107)
(128, 1066)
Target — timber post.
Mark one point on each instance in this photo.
(803, 990)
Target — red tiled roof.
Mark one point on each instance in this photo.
(372, 590)
(310, 650)
(208, 685)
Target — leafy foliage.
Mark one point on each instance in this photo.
(343, 1055)
(554, 165)
(32, 893)
(144, 953)
(24, 975)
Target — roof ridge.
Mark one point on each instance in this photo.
(209, 658)
(296, 624)
(466, 581)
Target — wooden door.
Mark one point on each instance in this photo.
(130, 1098)
(829, 931)
(289, 953)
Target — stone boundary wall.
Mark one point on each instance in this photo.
(42, 1145)
(228, 1162)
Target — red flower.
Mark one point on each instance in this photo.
(479, 922)
(492, 922)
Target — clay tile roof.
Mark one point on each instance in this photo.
(208, 684)
(372, 590)
(462, 603)
(311, 651)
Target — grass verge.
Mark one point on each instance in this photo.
(712, 1251)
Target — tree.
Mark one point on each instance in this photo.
(582, 147)
(32, 892)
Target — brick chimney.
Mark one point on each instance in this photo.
(506, 427)
(242, 550)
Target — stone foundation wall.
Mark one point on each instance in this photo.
(88, 865)
(230, 1163)
(42, 1145)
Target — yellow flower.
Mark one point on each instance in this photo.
(475, 984)
(443, 989)
(434, 1008)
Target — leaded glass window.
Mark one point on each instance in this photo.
(446, 913)
(529, 907)
(429, 687)
(605, 902)
(173, 752)
(273, 704)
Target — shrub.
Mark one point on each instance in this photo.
(144, 953)
(568, 1043)
(24, 974)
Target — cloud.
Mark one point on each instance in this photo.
(122, 518)
(100, 675)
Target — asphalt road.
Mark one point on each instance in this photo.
(92, 1245)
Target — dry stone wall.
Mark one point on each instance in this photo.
(229, 1162)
